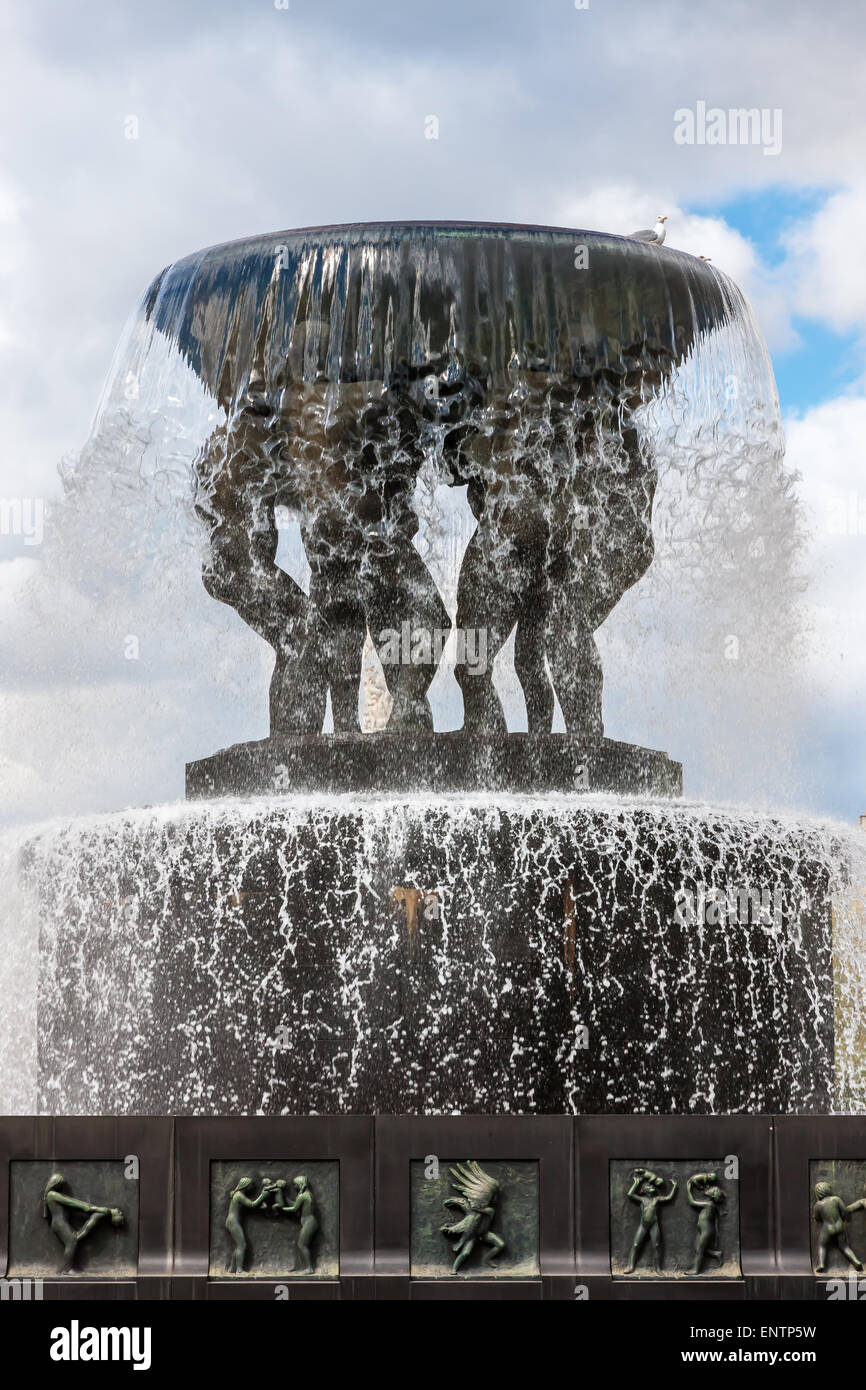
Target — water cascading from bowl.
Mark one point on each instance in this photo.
(340, 386)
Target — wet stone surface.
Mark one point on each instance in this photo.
(450, 762)
(433, 955)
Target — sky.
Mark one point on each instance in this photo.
(132, 134)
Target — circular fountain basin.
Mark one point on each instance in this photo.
(386, 301)
(438, 954)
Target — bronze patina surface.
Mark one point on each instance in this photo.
(73, 1219)
(474, 1218)
(675, 1219)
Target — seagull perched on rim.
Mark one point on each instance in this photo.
(655, 235)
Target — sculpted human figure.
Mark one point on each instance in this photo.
(352, 365)
(562, 487)
(239, 1205)
(57, 1205)
(304, 1208)
(831, 1215)
(707, 1203)
(346, 469)
(647, 1189)
(477, 1200)
(275, 1189)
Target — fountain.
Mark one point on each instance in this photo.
(404, 918)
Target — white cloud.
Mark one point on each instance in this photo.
(826, 447)
(828, 264)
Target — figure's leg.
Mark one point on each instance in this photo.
(89, 1224)
(656, 1238)
(335, 642)
(614, 543)
(463, 1256)
(483, 602)
(298, 690)
(822, 1253)
(849, 1254)
(497, 1245)
(529, 654)
(73, 1239)
(344, 656)
(308, 1230)
(576, 668)
(636, 1248)
(575, 665)
(335, 655)
(238, 1239)
(301, 1246)
(399, 589)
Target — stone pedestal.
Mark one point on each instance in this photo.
(383, 763)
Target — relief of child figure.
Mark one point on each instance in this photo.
(647, 1189)
(707, 1203)
(831, 1215)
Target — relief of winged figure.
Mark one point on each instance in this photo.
(478, 1194)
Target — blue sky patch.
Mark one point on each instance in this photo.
(826, 365)
(765, 215)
